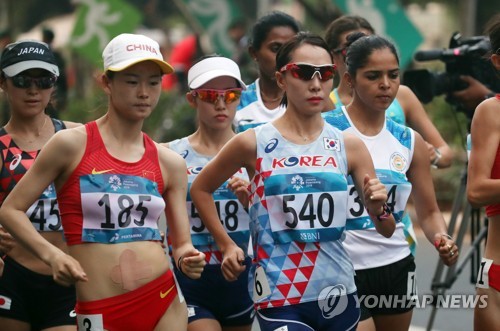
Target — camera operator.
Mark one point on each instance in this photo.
(468, 79)
(473, 94)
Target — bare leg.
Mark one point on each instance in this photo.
(204, 324)
(487, 318)
(366, 325)
(62, 328)
(175, 318)
(14, 325)
(396, 322)
(238, 328)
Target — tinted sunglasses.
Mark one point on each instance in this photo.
(306, 71)
(44, 82)
(212, 96)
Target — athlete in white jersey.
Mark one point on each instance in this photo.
(392, 152)
(405, 109)
(216, 85)
(252, 110)
(299, 165)
(261, 101)
(384, 266)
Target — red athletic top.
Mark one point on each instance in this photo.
(492, 210)
(120, 178)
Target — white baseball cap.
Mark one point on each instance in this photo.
(213, 67)
(128, 49)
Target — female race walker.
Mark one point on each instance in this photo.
(298, 166)
(214, 303)
(385, 266)
(260, 102)
(483, 189)
(32, 300)
(113, 182)
(405, 109)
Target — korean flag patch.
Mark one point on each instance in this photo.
(331, 144)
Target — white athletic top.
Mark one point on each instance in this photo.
(392, 153)
(252, 112)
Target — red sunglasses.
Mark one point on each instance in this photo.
(212, 96)
(306, 71)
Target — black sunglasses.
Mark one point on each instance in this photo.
(44, 82)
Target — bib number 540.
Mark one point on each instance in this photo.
(309, 212)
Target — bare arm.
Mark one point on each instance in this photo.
(70, 125)
(189, 260)
(417, 118)
(374, 194)
(485, 132)
(428, 214)
(52, 162)
(239, 152)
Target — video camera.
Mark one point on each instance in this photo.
(465, 56)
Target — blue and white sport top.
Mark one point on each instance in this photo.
(392, 152)
(298, 216)
(252, 112)
(233, 216)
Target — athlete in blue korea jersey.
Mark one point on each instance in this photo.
(214, 303)
(384, 266)
(298, 165)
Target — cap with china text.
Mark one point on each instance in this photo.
(27, 54)
(128, 49)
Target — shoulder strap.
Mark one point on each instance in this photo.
(58, 124)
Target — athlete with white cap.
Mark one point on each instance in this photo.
(214, 303)
(113, 182)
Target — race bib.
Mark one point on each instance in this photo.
(232, 215)
(90, 322)
(261, 287)
(307, 207)
(44, 213)
(120, 208)
(483, 279)
(398, 192)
